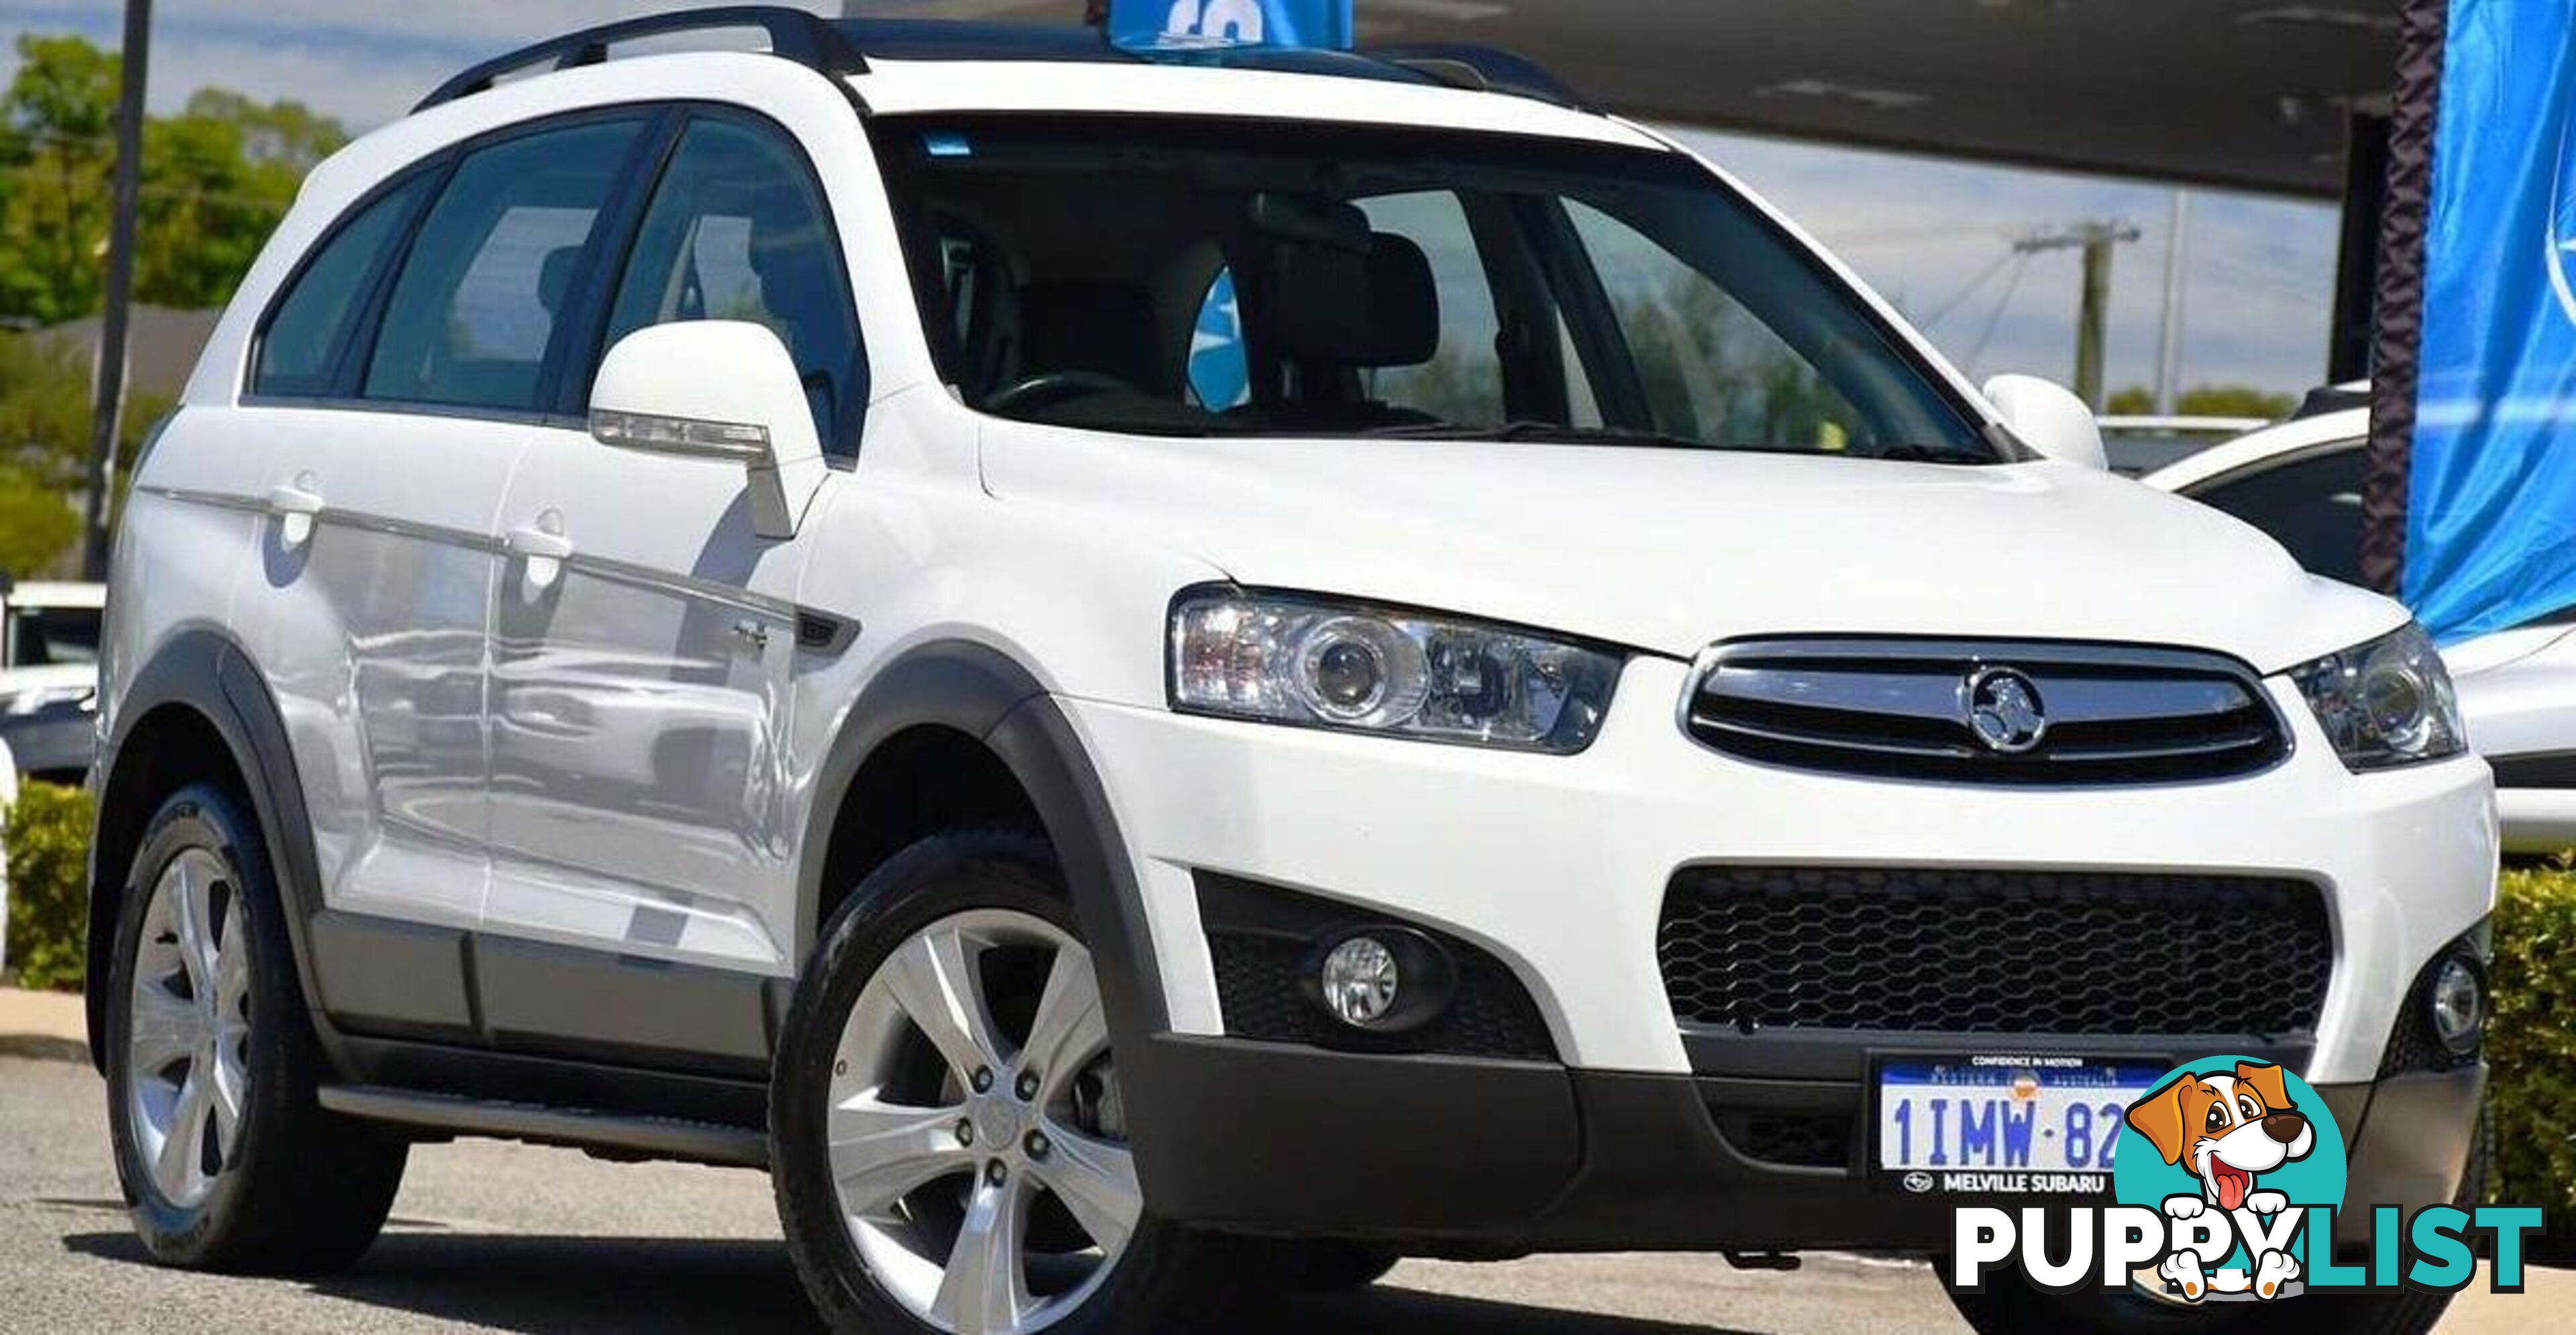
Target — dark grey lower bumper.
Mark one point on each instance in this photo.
(1527, 1156)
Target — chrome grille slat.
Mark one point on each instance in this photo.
(1894, 708)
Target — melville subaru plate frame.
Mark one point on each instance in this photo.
(2042, 1124)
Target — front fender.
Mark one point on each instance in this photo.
(981, 692)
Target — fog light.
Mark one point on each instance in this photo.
(2459, 1006)
(1360, 979)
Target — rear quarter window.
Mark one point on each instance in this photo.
(299, 352)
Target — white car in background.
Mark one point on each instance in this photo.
(2137, 446)
(48, 643)
(2301, 482)
(49, 676)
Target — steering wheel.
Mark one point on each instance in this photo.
(1049, 386)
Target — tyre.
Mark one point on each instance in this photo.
(2011, 1304)
(946, 1139)
(226, 1159)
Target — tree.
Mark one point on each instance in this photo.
(37, 526)
(2235, 401)
(217, 178)
(2206, 401)
(57, 142)
(44, 449)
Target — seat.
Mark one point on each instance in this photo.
(1334, 309)
(1110, 329)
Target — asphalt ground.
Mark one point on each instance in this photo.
(503, 1237)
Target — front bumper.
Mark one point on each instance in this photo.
(1489, 1157)
(1559, 868)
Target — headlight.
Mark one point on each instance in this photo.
(1304, 661)
(2385, 703)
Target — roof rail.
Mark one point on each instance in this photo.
(794, 34)
(1481, 68)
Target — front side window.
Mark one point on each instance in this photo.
(1710, 369)
(1175, 277)
(299, 353)
(738, 230)
(1463, 380)
(2311, 506)
(475, 309)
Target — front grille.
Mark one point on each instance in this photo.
(1907, 950)
(2086, 714)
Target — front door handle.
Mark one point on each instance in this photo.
(296, 504)
(544, 549)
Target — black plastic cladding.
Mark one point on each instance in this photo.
(1906, 950)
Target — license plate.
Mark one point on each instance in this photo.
(2008, 1124)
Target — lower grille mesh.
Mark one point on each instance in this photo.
(1949, 950)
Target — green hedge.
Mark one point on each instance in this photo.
(47, 835)
(2531, 1050)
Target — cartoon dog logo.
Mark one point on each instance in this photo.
(2226, 1130)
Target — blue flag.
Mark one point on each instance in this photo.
(1186, 24)
(2491, 511)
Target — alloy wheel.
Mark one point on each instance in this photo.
(976, 1144)
(187, 1049)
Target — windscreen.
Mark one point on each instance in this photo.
(1176, 277)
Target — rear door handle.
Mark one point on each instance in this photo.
(296, 504)
(543, 546)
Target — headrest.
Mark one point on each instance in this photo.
(1340, 308)
(1108, 328)
(554, 277)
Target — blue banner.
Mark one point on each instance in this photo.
(1199, 24)
(2491, 511)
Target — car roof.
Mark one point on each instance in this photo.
(2349, 425)
(50, 594)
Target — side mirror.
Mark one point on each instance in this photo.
(722, 390)
(2049, 419)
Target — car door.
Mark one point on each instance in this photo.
(645, 637)
(391, 443)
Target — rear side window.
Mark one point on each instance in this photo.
(475, 310)
(301, 349)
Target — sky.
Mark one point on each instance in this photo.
(1934, 236)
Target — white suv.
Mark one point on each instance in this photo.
(1091, 657)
